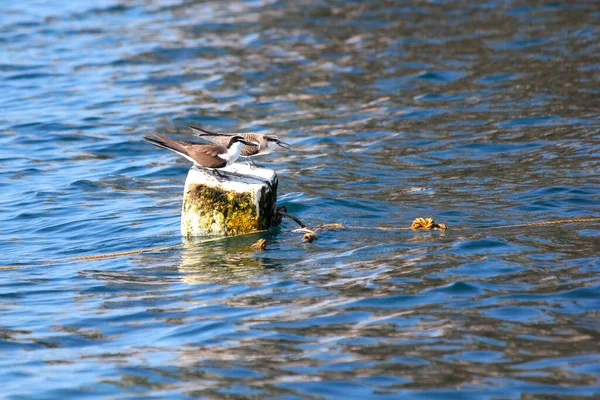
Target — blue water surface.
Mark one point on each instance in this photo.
(478, 114)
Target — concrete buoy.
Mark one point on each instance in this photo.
(242, 201)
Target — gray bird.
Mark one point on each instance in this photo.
(265, 144)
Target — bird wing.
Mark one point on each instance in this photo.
(218, 140)
(222, 139)
(207, 155)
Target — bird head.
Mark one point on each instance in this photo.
(274, 139)
(240, 139)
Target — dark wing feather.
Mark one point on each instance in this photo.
(207, 155)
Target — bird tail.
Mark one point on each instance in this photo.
(168, 144)
(203, 132)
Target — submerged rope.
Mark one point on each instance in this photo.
(124, 253)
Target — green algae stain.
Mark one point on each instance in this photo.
(221, 212)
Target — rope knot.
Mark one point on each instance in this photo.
(310, 237)
(260, 245)
(280, 212)
(427, 224)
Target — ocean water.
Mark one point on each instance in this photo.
(480, 115)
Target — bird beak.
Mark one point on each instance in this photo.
(247, 143)
(283, 144)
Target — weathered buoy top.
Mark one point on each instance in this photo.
(235, 176)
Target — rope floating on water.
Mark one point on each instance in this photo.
(427, 224)
(544, 223)
(310, 235)
(419, 224)
(124, 253)
(423, 224)
(260, 245)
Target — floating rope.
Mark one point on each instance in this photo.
(419, 224)
(124, 253)
(427, 224)
(260, 245)
(310, 235)
(543, 223)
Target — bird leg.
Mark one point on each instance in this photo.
(248, 159)
(254, 164)
(218, 174)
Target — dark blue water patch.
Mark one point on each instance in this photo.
(589, 232)
(159, 79)
(330, 320)
(555, 190)
(335, 389)
(444, 97)
(383, 381)
(589, 67)
(490, 245)
(555, 362)
(200, 332)
(457, 289)
(85, 185)
(439, 76)
(163, 55)
(391, 85)
(501, 148)
(536, 387)
(33, 76)
(242, 390)
(20, 67)
(591, 368)
(233, 372)
(546, 120)
(541, 206)
(323, 90)
(466, 393)
(478, 356)
(494, 79)
(42, 129)
(217, 27)
(140, 379)
(521, 43)
(62, 393)
(486, 269)
(582, 294)
(519, 314)
(397, 301)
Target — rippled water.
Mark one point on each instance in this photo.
(479, 115)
